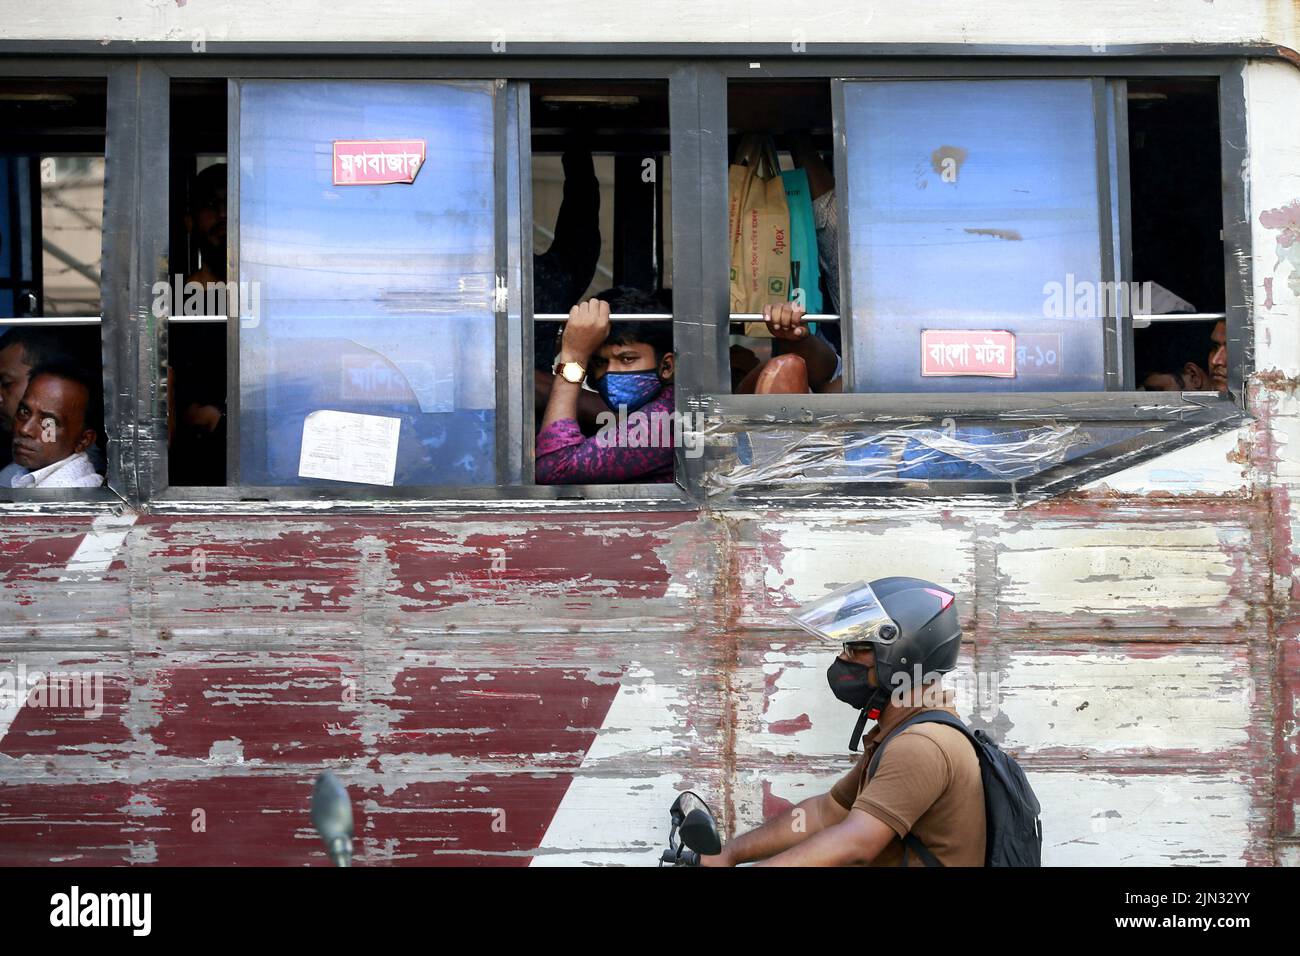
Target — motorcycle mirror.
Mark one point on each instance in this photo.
(700, 833)
(694, 822)
(331, 815)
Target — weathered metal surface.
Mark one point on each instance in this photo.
(551, 680)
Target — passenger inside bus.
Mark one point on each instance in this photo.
(1218, 360)
(1176, 360)
(52, 182)
(56, 423)
(804, 361)
(196, 373)
(630, 365)
(206, 224)
(782, 130)
(21, 349)
(563, 272)
(197, 451)
(601, 177)
(1190, 378)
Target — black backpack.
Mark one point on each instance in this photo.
(1015, 834)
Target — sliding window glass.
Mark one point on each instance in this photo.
(976, 215)
(366, 283)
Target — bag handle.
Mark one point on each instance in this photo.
(758, 152)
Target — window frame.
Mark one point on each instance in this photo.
(118, 347)
(514, 326)
(1182, 418)
(137, 229)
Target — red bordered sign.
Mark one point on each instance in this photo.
(947, 352)
(377, 162)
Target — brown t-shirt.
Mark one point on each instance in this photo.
(927, 782)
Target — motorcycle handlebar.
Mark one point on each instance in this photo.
(686, 858)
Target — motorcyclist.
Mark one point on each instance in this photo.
(898, 636)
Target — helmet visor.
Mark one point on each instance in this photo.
(850, 615)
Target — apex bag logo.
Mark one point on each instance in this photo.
(102, 909)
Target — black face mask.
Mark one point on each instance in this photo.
(850, 682)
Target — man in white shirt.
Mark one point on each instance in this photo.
(53, 428)
(22, 348)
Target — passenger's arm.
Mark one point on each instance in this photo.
(782, 832)
(590, 404)
(576, 245)
(584, 333)
(786, 323)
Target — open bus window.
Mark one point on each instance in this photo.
(1177, 238)
(52, 433)
(782, 238)
(986, 251)
(196, 335)
(601, 195)
(995, 235)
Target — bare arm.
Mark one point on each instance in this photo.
(589, 403)
(791, 335)
(583, 334)
(782, 832)
(854, 841)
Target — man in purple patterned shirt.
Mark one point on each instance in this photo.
(631, 366)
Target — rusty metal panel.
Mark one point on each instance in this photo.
(546, 709)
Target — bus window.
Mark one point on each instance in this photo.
(366, 230)
(989, 250)
(601, 199)
(969, 200)
(196, 344)
(783, 248)
(51, 238)
(1177, 217)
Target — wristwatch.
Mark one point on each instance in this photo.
(570, 371)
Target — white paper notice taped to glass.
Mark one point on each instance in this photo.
(345, 446)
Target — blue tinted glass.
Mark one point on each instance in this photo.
(973, 205)
(370, 299)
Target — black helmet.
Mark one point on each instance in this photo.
(928, 637)
(911, 623)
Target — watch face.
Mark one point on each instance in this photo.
(572, 372)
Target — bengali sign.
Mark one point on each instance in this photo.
(949, 352)
(377, 162)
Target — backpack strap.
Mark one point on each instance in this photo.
(916, 846)
(910, 842)
(925, 717)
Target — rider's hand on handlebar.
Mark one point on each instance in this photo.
(720, 859)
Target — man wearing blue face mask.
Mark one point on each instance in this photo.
(631, 366)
